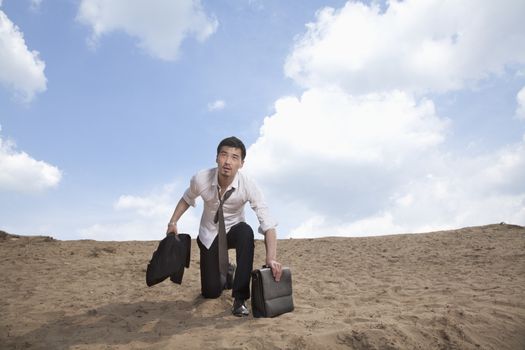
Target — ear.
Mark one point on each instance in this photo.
(242, 163)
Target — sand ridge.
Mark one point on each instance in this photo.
(459, 289)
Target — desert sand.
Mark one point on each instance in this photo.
(460, 289)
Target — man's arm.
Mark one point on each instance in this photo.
(180, 209)
(270, 241)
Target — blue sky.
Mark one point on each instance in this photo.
(361, 118)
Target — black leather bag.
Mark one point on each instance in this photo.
(270, 298)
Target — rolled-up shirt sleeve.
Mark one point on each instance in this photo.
(192, 192)
(259, 206)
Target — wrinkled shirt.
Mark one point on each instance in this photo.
(205, 184)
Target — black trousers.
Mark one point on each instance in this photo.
(239, 237)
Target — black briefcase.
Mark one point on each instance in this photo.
(270, 298)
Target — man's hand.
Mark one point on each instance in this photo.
(276, 269)
(172, 228)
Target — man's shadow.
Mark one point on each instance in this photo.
(118, 324)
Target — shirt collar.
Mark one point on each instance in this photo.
(234, 184)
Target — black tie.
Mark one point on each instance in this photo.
(223, 244)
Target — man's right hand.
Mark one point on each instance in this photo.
(172, 228)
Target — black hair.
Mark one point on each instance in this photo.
(232, 142)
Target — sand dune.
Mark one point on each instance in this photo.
(461, 289)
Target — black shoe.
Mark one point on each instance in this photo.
(239, 309)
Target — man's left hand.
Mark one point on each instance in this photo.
(276, 269)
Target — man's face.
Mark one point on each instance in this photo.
(229, 161)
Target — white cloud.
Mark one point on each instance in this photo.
(159, 25)
(413, 46)
(21, 173)
(144, 217)
(337, 164)
(330, 126)
(340, 158)
(362, 151)
(20, 69)
(520, 110)
(216, 105)
(375, 225)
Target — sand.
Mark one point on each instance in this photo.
(461, 289)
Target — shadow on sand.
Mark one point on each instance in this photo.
(120, 324)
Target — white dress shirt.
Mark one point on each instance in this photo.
(205, 184)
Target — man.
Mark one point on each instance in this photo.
(225, 191)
